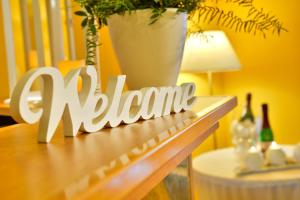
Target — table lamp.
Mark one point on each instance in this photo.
(209, 52)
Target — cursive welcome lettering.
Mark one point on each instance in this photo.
(90, 111)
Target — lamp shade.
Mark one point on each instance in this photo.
(209, 51)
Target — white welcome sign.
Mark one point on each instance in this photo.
(87, 110)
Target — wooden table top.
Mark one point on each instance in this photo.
(4, 108)
(124, 162)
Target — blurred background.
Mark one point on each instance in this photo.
(47, 33)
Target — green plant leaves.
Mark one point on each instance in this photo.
(84, 22)
(80, 13)
(105, 8)
(156, 13)
(89, 10)
(96, 12)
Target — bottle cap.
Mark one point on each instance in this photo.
(249, 95)
(265, 107)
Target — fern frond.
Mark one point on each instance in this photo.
(255, 21)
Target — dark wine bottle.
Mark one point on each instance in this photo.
(266, 133)
(247, 114)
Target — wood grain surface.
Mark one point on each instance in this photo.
(120, 163)
(4, 108)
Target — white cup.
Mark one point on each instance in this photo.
(275, 155)
(297, 153)
(253, 159)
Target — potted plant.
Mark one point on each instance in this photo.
(149, 35)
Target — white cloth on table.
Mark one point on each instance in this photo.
(214, 179)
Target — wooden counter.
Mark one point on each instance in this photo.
(120, 163)
(4, 108)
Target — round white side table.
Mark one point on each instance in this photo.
(214, 179)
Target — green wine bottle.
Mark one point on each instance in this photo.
(248, 114)
(266, 133)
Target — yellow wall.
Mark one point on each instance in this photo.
(271, 71)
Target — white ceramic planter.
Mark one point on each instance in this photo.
(150, 55)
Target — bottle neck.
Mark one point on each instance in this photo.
(248, 112)
(266, 123)
(248, 107)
